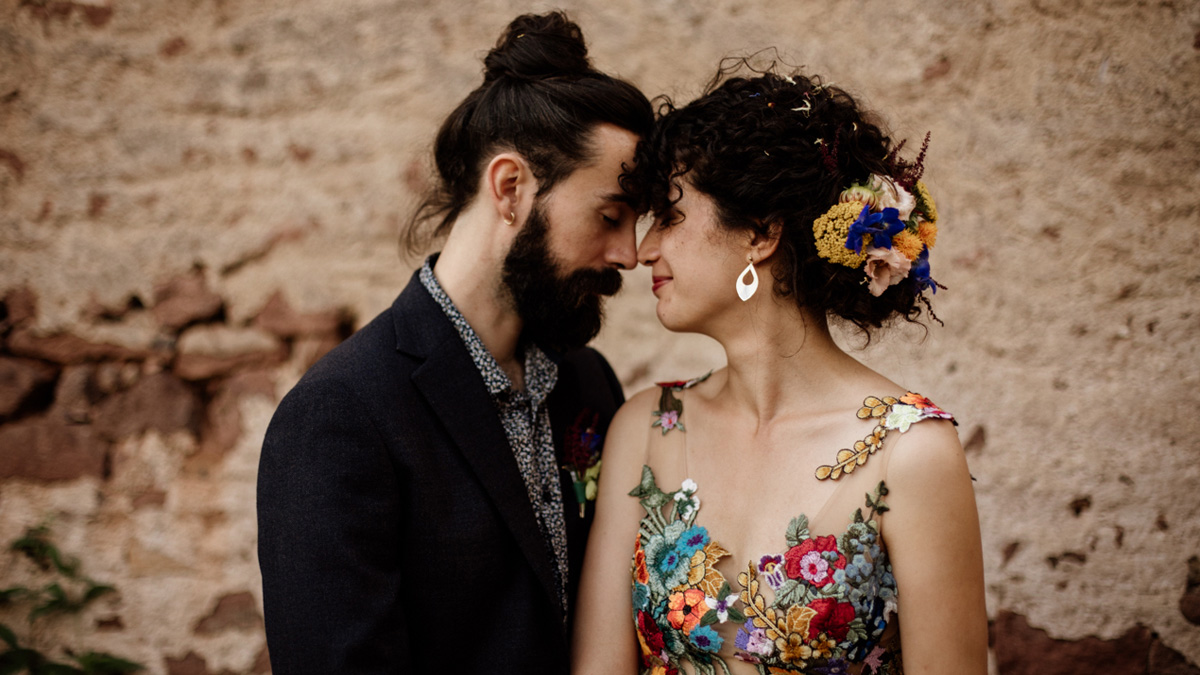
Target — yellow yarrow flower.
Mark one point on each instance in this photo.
(925, 203)
(908, 244)
(831, 230)
(927, 231)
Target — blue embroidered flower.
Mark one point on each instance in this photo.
(881, 226)
(667, 566)
(705, 638)
(641, 596)
(692, 540)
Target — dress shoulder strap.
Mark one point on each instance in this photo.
(890, 414)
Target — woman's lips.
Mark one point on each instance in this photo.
(657, 282)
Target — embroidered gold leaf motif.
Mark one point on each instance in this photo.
(798, 618)
(756, 606)
(713, 580)
(847, 460)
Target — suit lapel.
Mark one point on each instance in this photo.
(450, 382)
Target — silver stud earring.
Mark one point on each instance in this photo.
(746, 290)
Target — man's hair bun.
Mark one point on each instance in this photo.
(538, 46)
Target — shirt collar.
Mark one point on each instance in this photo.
(541, 371)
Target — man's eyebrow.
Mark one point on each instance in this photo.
(619, 198)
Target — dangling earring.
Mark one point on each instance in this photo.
(746, 290)
(512, 218)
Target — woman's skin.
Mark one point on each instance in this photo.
(756, 431)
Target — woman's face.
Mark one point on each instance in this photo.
(694, 263)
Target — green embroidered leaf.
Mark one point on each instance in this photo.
(857, 632)
(647, 492)
(792, 592)
(710, 617)
(736, 615)
(725, 591)
(797, 530)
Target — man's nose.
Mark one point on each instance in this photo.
(622, 249)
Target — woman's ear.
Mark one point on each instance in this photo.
(510, 186)
(762, 244)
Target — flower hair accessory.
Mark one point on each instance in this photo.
(883, 228)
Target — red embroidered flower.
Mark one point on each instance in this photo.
(673, 385)
(650, 637)
(833, 618)
(808, 562)
(640, 574)
(687, 608)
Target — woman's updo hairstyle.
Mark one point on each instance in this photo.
(541, 98)
(777, 151)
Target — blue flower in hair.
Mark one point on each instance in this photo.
(920, 272)
(881, 226)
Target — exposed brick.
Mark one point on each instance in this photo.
(160, 401)
(1189, 602)
(21, 379)
(173, 47)
(97, 202)
(206, 352)
(13, 162)
(45, 11)
(278, 317)
(936, 70)
(49, 449)
(151, 497)
(191, 664)
(1021, 649)
(262, 662)
(65, 348)
(73, 395)
(236, 611)
(185, 300)
(20, 305)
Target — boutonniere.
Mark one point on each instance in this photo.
(583, 444)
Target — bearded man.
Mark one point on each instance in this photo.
(423, 494)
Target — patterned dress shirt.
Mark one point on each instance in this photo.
(526, 420)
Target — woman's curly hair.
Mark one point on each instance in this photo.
(774, 152)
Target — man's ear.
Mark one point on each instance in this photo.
(510, 186)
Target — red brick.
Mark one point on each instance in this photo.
(161, 401)
(1023, 650)
(278, 317)
(67, 349)
(48, 449)
(236, 611)
(185, 300)
(19, 379)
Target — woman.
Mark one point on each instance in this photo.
(788, 508)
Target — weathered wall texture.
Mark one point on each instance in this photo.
(199, 198)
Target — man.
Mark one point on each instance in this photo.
(423, 491)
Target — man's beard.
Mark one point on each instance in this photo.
(559, 312)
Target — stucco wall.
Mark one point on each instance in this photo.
(197, 198)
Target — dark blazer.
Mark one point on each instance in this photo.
(395, 530)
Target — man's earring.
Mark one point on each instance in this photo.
(512, 218)
(746, 290)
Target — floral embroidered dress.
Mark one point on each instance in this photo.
(825, 605)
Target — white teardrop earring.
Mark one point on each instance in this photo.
(746, 290)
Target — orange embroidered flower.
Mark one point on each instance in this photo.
(640, 574)
(916, 400)
(793, 649)
(927, 231)
(686, 609)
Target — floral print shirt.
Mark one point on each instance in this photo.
(823, 604)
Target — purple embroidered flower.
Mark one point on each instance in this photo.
(834, 666)
(721, 605)
(753, 640)
(814, 568)
(772, 570)
(668, 419)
